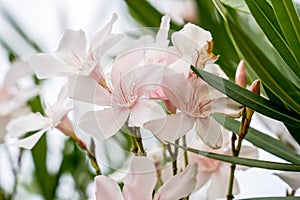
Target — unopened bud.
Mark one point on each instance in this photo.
(255, 87)
(240, 75)
(66, 127)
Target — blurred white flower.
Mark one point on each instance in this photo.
(217, 172)
(140, 182)
(291, 178)
(56, 118)
(13, 95)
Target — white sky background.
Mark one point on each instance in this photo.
(45, 21)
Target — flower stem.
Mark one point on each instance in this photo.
(173, 156)
(139, 142)
(91, 154)
(186, 159)
(236, 149)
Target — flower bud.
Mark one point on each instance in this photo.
(240, 75)
(255, 87)
(66, 127)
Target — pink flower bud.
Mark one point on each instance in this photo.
(240, 75)
(255, 87)
(66, 127)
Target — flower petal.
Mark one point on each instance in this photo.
(46, 65)
(247, 152)
(226, 106)
(143, 111)
(107, 189)
(179, 91)
(191, 39)
(33, 122)
(30, 141)
(86, 89)
(178, 186)
(104, 33)
(219, 184)
(72, 47)
(17, 71)
(171, 127)
(104, 123)
(291, 178)
(141, 179)
(215, 69)
(126, 62)
(210, 132)
(181, 66)
(162, 35)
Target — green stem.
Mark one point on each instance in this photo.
(139, 141)
(173, 156)
(236, 150)
(186, 159)
(134, 148)
(90, 154)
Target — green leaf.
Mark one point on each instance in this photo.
(144, 12)
(265, 17)
(244, 161)
(75, 162)
(260, 140)
(288, 19)
(249, 98)
(211, 20)
(268, 73)
(238, 5)
(19, 29)
(45, 180)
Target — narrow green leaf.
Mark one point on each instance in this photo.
(147, 14)
(211, 20)
(260, 140)
(249, 99)
(244, 161)
(238, 5)
(288, 19)
(266, 19)
(19, 30)
(39, 153)
(268, 73)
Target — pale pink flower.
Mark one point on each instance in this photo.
(127, 101)
(195, 44)
(72, 56)
(140, 182)
(217, 172)
(146, 50)
(13, 97)
(56, 117)
(196, 101)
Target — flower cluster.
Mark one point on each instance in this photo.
(148, 86)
